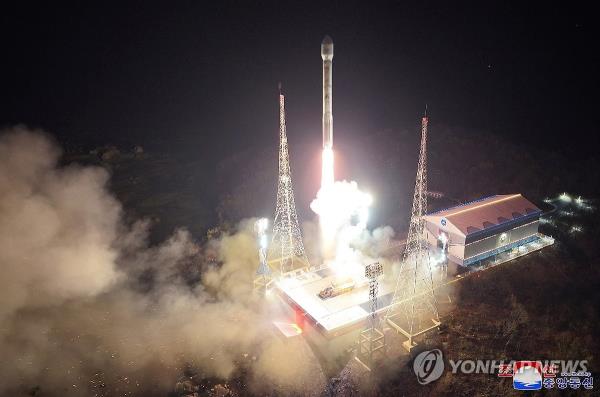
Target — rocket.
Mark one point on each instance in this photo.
(327, 55)
(327, 177)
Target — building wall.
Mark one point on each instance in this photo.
(430, 234)
(456, 253)
(500, 239)
(456, 242)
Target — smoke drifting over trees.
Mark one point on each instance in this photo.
(89, 308)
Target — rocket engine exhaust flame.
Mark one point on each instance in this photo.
(327, 167)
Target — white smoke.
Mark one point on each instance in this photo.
(87, 307)
(57, 228)
(343, 211)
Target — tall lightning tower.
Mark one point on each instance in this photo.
(287, 247)
(413, 310)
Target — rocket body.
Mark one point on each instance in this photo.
(327, 55)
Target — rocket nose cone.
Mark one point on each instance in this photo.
(327, 49)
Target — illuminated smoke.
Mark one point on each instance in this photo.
(343, 211)
(88, 307)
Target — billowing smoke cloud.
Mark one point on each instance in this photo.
(375, 243)
(343, 211)
(87, 307)
(57, 227)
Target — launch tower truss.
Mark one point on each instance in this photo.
(287, 250)
(413, 310)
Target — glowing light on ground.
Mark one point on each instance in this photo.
(583, 204)
(436, 260)
(260, 227)
(565, 197)
(575, 229)
(288, 330)
(443, 237)
(545, 221)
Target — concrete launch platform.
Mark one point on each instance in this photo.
(337, 315)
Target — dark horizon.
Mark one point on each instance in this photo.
(203, 78)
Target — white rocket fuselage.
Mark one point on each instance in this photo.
(327, 55)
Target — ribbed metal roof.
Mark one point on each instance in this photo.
(488, 212)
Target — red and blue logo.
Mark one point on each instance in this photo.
(527, 375)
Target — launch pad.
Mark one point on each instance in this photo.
(331, 305)
(336, 315)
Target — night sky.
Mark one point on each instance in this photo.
(201, 77)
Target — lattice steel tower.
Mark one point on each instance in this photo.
(413, 310)
(371, 340)
(287, 248)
